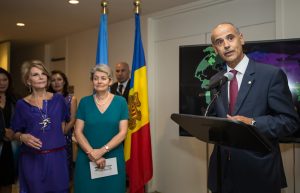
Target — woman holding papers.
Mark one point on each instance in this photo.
(101, 127)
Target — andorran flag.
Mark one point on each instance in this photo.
(138, 154)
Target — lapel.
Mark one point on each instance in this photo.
(114, 88)
(247, 83)
(126, 91)
(221, 104)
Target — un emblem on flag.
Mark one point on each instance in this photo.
(135, 113)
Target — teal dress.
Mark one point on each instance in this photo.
(99, 129)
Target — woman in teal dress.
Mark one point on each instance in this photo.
(101, 127)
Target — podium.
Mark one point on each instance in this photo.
(222, 131)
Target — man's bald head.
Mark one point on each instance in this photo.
(122, 71)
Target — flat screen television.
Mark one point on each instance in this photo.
(198, 63)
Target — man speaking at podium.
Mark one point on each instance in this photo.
(258, 95)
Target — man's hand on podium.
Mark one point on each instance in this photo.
(246, 120)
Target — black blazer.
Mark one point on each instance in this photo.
(2, 125)
(114, 87)
(11, 102)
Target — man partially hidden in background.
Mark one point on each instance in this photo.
(258, 95)
(121, 87)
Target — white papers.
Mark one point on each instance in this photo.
(110, 169)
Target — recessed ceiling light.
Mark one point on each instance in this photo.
(73, 2)
(20, 24)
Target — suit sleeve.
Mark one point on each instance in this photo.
(282, 119)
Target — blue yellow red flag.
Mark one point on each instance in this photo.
(138, 153)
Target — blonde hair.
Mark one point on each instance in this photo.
(102, 68)
(26, 67)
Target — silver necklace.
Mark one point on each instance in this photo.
(45, 119)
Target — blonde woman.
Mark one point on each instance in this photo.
(38, 123)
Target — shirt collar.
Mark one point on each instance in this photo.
(242, 66)
(123, 83)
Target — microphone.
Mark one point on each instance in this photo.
(219, 82)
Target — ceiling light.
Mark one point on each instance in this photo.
(73, 2)
(20, 24)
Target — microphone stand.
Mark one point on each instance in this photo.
(216, 95)
(219, 159)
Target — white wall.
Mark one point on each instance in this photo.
(121, 37)
(81, 58)
(180, 163)
(56, 55)
(121, 40)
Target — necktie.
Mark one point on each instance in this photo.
(233, 92)
(120, 89)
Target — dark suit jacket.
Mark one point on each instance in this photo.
(114, 87)
(263, 95)
(2, 125)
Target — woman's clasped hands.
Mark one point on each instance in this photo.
(96, 155)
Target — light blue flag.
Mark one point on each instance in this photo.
(102, 47)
